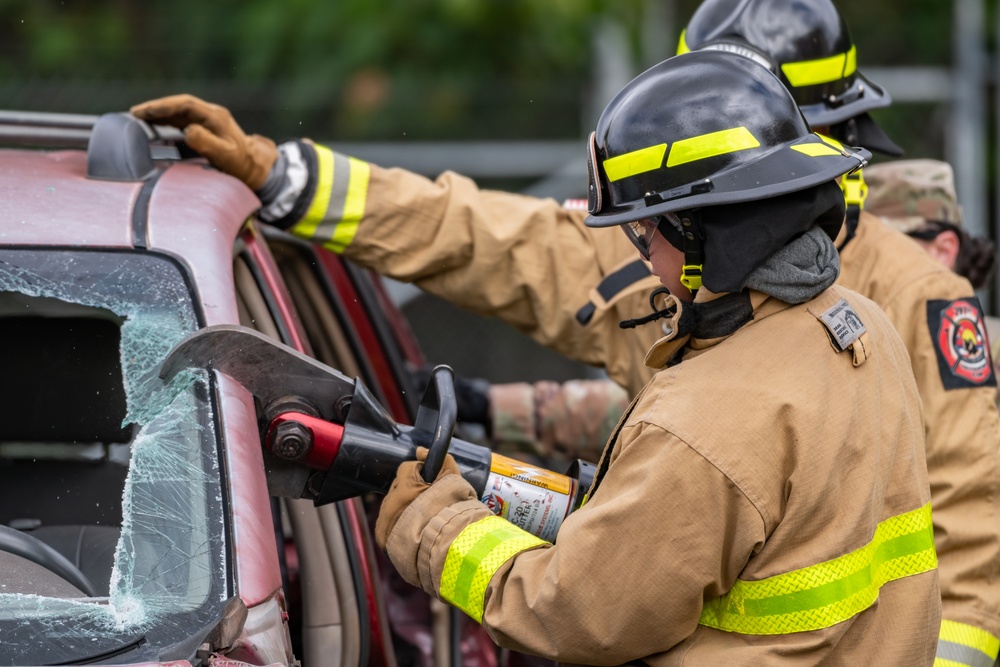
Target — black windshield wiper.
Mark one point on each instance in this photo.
(131, 645)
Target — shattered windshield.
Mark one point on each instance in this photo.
(112, 533)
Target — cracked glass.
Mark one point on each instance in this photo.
(105, 464)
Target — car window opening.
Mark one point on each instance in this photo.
(110, 475)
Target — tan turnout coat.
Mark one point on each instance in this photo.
(761, 453)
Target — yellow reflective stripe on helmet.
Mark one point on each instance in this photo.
(306, 227)
(636, 162)
(711, 145)
(682, 45)
(830, 140)
(828, 593)
(851, 66)
(339, 203)
(965, 645)
(823, 70)
(475, 556)
(816, 150)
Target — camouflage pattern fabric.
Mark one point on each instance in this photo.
(556, 421)
(908, 194)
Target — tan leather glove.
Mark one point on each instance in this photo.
(404, 490)
(210, 130)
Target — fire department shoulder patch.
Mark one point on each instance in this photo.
(958, 331)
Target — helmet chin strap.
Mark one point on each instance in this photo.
(694, 256)
(688, 239)
(855, 192)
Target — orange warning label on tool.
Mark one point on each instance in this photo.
(523, 472)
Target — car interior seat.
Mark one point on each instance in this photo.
(63, 402)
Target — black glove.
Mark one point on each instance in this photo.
(472, 395)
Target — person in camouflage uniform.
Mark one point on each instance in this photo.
(548, 423)
(917, 197)
(557, 422)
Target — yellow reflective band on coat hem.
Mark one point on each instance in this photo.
(475, 556)
(635, 162)
(822, 70)
(822, 595)
(711, 145)
(965, 645)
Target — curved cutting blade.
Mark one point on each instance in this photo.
(266, 368)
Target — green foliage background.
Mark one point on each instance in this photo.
(389, 69)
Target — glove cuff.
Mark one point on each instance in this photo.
(275, 182)
(290, 186)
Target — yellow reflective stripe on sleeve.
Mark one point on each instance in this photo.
(822, 595)
(306, 227)
(475, 556)
(823, 70)
(711, 145)
(682, 45)
(816, 150)
(344, 182)
(636, 162)
(965, 645)
(354, 205)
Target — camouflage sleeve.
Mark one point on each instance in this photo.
(557, 421)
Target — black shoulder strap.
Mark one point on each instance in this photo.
(612, 284)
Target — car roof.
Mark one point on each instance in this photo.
(186, 210)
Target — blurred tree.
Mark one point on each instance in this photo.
(356, 68)
(388, 69)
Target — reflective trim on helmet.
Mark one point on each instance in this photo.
(830, 140)
(822, 595)
(778, 171)
(636, 162)
(816, 150)
(961, 644)
(711, 145)
(474, 557)
(823, 70)
(682, 45)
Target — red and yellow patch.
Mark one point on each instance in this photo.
(963, 349)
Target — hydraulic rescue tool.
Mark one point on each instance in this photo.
(327, 438)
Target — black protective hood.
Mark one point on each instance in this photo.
(738, 238)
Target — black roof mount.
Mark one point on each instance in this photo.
(120, 147)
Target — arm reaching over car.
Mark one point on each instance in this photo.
(527, 261)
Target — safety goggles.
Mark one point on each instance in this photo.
(932, 230)
(641, 232)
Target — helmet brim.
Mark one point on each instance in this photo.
(874, 138)
(869, 96)
(796, 165)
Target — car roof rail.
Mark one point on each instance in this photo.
(120, 147)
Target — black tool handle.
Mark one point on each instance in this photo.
(436, 415)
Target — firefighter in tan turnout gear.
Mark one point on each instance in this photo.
(917, 198)
(934, 310)
(765, 498)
